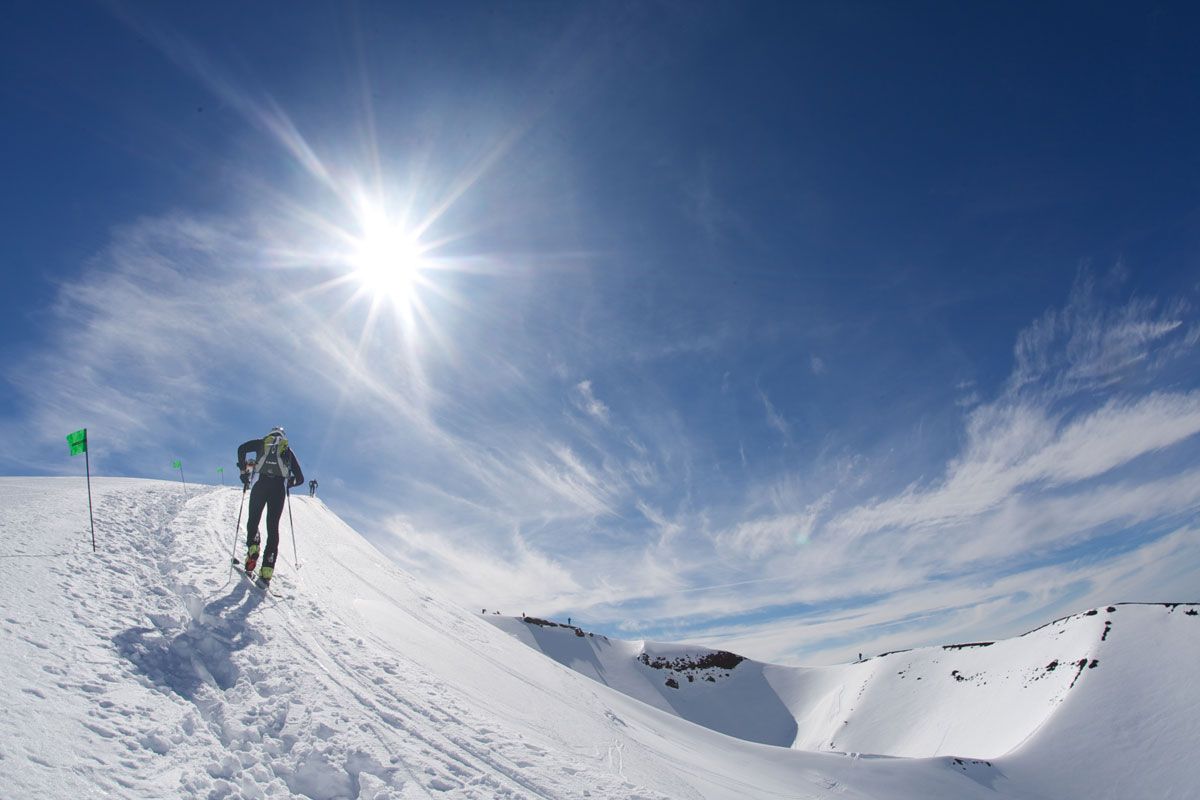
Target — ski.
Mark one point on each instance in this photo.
(256, 582)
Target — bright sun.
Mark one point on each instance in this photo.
(387, 262)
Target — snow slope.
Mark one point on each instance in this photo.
(149, 670)
(739, 702)
(979, 700)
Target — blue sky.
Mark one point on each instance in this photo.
(796, 329)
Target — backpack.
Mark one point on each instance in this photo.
(274, 461)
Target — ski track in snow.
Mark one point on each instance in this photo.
(247, 719)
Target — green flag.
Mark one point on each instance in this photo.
(78, 441)
(221, 470)
(176, 464)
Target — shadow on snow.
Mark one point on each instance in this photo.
(181, 661)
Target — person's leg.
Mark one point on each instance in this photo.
(275, 502)
(258, 500)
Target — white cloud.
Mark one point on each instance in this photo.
(586, 399)
(970, 608)
(1089, 344)
(668, 529)
(765, 535)
(706, 343)
(1074, 457)
(499, 577)
(1013, 446)
(133, 339)
(774, 418)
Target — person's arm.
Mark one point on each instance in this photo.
(254, 444)
(297, 473)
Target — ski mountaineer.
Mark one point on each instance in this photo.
(278, 470)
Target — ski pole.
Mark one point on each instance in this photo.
(292, 525)
(238, 526)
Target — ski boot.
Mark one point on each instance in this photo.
(252, 559)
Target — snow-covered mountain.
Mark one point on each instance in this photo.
(979, 700)
(148, 669)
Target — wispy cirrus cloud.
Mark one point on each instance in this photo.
(668, 529)
(1078, 453)
(775, 419)
(763, 535)
(1011, 447)
(1089, 344)
(952, 610)
(132, 337)
(500, 577)
(586, 399)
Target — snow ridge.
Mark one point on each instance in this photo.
(979, 701)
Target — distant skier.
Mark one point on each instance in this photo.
(278, 470)
(312, 488)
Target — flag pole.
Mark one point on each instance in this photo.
(77, 442)
(88, 466)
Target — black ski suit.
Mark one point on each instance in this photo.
(269, 491)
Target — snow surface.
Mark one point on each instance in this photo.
(149, 669)
(1110, 691)
(980, 700)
